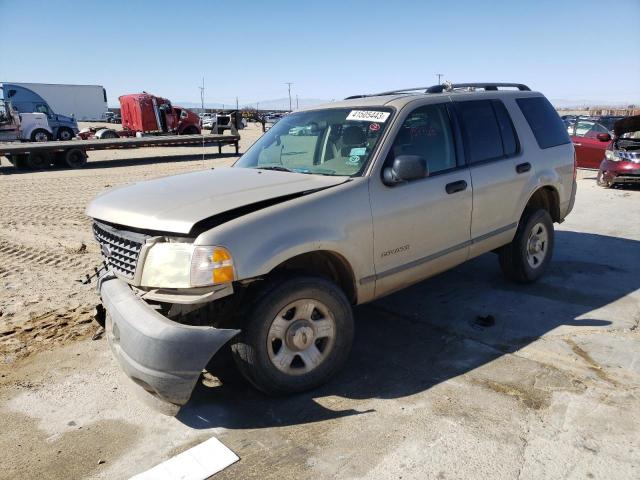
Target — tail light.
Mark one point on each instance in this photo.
(575, 166)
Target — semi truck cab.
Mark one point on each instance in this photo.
(25, 100)
(16, 126)
(149, 114)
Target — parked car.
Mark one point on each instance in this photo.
(210, 122)
(608, 121)
(270, 255)
(622, 156)
(590, 140)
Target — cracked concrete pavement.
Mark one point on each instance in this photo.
(550, 390)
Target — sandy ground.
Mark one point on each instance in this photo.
(46, 244)
(551, 390)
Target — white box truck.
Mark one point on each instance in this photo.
(83, 102)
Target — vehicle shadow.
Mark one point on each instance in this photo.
(417, 338)
(7, 169)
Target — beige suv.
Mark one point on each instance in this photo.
(334, 206)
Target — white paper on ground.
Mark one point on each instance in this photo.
(197, 463)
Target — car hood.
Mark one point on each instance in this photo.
(626, 125)
(175, 204)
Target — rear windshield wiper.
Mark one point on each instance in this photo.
(277, 168)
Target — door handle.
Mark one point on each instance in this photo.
(454, 187)
(578, 144)
(523, 167)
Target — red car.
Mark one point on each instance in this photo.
(622, 156)
(590, 140)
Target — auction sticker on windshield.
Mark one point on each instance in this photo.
(368, 116)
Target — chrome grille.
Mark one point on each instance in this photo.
(120, 249)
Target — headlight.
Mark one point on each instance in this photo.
(183, 265)
(609, 155)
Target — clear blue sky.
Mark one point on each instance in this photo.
(330, 49)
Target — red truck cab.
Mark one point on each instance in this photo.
(146, 113)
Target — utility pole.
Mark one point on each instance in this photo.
(439, 75)
(289, 85)
(297, 102)
(202, 96)
(257, 106)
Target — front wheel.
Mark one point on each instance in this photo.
(527, 257)
(297, 336)
(40, 135)
(190, 130)
(602, 181)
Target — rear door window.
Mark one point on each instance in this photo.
(544, 121)
(480, 131)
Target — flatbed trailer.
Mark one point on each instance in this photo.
(72, 153)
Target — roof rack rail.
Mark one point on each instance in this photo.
(390, 92)
(447, 87)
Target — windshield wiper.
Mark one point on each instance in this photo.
(277, 168)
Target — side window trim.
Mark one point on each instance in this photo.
(494, 103)
(461, 158)
(455, 140)
(466, 147)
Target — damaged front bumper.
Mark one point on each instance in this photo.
(620, 171)
(164, 357)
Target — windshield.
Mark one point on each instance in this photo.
(336, 141)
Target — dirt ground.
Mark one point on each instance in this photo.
(549, 390)
(46, 244)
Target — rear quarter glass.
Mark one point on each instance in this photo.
(545, 123)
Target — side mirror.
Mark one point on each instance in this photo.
(184, 114)
(604, 137)
(405, 168)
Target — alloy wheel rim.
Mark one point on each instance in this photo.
(301, 336)
(537, 245)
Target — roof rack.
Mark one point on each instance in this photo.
(446, 87)
(485, 86)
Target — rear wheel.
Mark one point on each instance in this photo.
(108, 133)
(527, 257)
(75, 158)
(65, 134)
(38, 160)
(40, 135)
(297, 336)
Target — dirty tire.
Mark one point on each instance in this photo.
(109, 134)
(190, 130)
(65, 134)
(75, 158)
(38, 160)
(514, 256)
(251, 349)
(20, 161)
(40, 135)
(602, 182)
